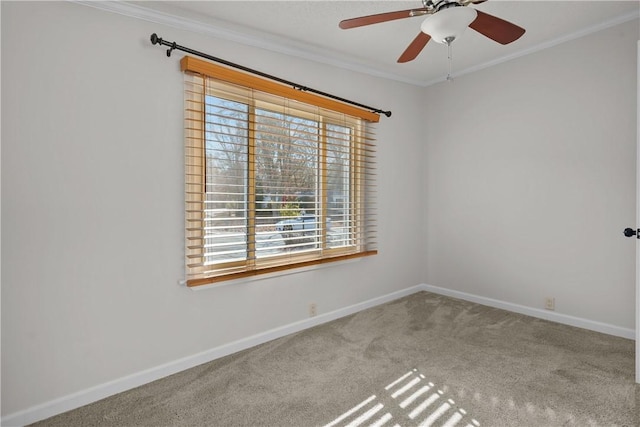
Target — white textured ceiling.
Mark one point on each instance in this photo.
(310, 29)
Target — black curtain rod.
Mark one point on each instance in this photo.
(174, 46)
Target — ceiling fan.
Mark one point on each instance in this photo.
(449, 18)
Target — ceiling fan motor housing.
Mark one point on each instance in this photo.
(436, 6)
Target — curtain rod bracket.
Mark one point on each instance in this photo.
(174, 46)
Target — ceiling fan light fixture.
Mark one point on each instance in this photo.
(448, 24)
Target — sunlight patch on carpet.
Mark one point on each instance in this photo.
(409, 399)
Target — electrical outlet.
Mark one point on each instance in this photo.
(550, 303)
(313, 310)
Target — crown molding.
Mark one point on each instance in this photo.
(224, 30)
(542, 46)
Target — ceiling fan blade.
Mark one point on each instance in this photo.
(381, 17)
(415, 47)
(499, 30)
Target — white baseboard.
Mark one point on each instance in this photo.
(553, 316)
(93, 394)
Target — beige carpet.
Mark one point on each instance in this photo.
(421, 360)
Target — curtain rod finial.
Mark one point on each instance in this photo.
(155, 39)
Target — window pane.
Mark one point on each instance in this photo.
(287, 201)
(226, 152)
(339, 186)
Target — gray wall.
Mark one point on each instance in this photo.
(530, 179)
(92, 204)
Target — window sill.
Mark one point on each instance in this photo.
(269, 273)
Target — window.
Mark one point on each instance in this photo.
(271, 182)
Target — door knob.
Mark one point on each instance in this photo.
(631, 232)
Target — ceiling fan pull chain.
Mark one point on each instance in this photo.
(449, 77)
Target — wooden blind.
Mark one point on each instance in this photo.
(271, 182)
